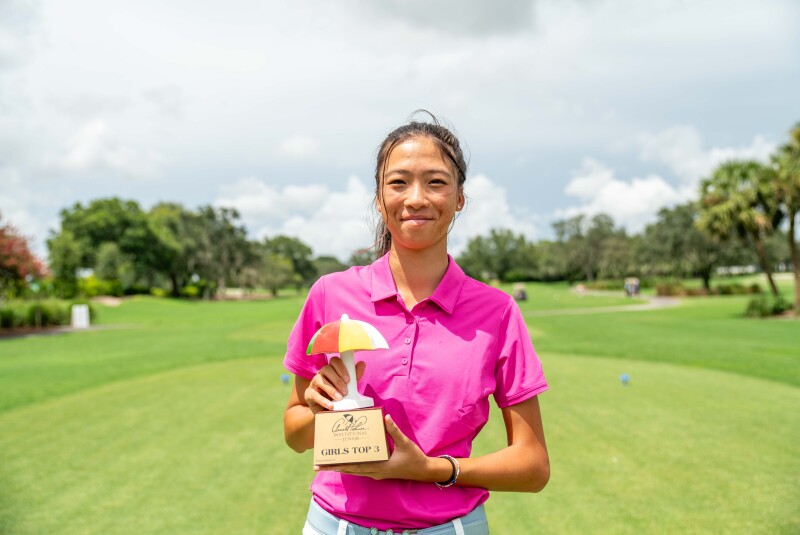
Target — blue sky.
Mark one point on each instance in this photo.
(277, 108)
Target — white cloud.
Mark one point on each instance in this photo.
(168, 100)
(635, 202)
(300, 147)
(17, 31)
(453, 16)
(681, 149)
(339, 221)
(258, 202)
(632, 204)
(19, 204)
(593, 177)
(254, 87)
(95, 149)
(487, 208)
(331, 222)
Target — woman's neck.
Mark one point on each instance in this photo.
(417, 273)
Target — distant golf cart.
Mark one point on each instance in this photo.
(519, 292)
(632, 287)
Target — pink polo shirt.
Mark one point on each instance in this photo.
(446, 356)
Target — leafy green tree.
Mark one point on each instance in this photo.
(739, 199)
(501, 255)
(65, 254)
(591, 246)
(551, 261)
(276, 272)
(171, 223)
(328, 264)
(110, 262)
(787, 185)
(362, 257)
(109, 220)
(675, 242)
(617, 258)
(298, 253)
(219, 249)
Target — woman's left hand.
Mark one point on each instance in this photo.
(406, 462)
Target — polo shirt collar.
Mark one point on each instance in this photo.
(445, 296)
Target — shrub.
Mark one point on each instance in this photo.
(733, 289)
(695, 292)
(605, 284)
(669, 288)
(763, 306)
(191, 291)
(518, 275)
(92, 287)
(45, 313)
(136, 289)
(6, 317)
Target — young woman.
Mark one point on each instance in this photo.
(453, 343)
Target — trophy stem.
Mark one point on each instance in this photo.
(353, 400)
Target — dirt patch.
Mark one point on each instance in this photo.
(107, 300)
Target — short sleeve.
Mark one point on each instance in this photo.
(311, 318)
(518, 372)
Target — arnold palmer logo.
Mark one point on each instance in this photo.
(348, 422)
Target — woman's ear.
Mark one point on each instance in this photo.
(460, 201)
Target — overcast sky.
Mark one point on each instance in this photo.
(276, 108)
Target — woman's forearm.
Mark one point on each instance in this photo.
(298, 427)
(298, 419)
(523, 466)
(515, 468)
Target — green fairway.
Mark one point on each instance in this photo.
(169, 420)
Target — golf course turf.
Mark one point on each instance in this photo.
(169, 420)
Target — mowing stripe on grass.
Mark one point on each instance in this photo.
(200, 450)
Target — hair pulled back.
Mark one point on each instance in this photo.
(446, 141)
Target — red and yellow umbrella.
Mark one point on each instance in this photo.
(346, 335)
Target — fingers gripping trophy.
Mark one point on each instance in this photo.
(353, 432)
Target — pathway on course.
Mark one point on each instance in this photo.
(654, 303)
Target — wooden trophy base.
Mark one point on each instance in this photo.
(350, 436)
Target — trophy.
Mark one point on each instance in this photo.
(353, 432)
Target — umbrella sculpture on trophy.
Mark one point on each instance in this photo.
(353, 432)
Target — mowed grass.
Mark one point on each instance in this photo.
(170, 421)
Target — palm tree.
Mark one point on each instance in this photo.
(740, 199)
(787, 185)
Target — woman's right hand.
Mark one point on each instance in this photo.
(329, 385)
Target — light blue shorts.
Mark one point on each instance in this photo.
(321, 522)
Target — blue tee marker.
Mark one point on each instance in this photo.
(285, 379)
(624, 378)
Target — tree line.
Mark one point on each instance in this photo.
(194, 253)
(746, 214)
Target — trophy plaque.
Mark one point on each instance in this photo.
(353, 432)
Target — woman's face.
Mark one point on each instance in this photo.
(419, 195)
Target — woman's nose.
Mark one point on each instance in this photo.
(416, 195)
